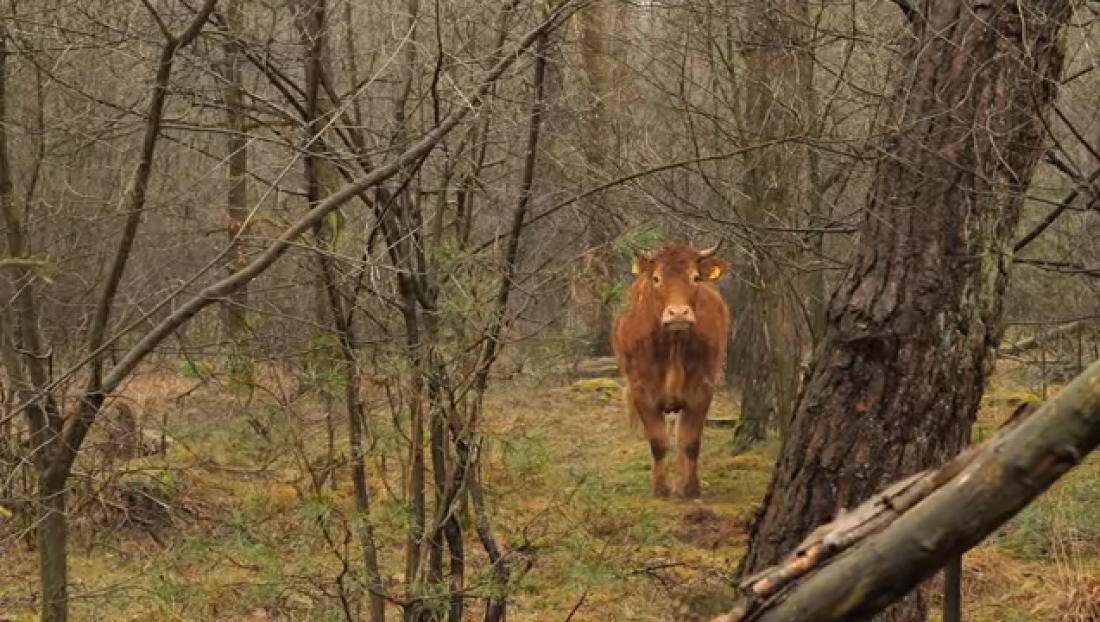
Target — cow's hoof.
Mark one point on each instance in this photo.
(661, 491)
(689, 492)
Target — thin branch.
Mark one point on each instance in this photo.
(1061, 267)
(164, 30)
(553, 209)
(1086, 143)
(41, 415)
(1079, 73)
(908, 10)
(495, 606)
(22, 263)
(1066, 168)
(133, 201)
(133, 205)
(1064, 205)
(1031, 343)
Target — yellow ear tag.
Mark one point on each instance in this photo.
(715, 272)
(635, 266)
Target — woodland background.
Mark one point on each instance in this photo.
(299, 297)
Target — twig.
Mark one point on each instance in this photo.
(577, 606)
(22, 263)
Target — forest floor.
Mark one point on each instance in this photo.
(245, 534)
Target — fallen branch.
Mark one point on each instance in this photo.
(1031, 343)
(852, 527)
(870, 557)
(599, 367)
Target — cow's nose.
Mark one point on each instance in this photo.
(678, 316)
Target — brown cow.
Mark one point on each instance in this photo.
(670, 343)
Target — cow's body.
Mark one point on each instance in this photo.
(670, 343)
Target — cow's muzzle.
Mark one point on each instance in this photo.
(678, 317)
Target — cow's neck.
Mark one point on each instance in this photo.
(676, 343)
(678, 336)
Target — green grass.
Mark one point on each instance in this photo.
(568, 487)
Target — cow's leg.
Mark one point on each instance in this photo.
(653, 420)
(690, 439)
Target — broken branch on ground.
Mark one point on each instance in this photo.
(873, 555)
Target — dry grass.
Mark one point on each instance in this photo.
(568, 488)
(1074, 600)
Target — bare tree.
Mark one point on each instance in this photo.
(56, 440)
(598, 147)
(765, 345)
(237, 201)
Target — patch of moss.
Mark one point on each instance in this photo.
(595, 385)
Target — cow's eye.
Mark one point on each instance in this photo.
(656, 279)
(697, 278)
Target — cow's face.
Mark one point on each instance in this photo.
(672, 277)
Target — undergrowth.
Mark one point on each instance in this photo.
(260, 533)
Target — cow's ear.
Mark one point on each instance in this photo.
(712, 269)
(638, 265)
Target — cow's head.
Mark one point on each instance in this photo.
(672, 275)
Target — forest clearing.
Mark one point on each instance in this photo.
(240, 535)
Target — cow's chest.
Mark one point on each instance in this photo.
(679, 368)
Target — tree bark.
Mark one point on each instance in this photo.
(235, 319)
(765, 347)
(53, 550)
(913, 329)
(595, 24)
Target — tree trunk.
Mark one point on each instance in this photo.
(913, 329)
(235, 319)
(28, 374)
(322, 179)
(595, 23)
(765, 346)
(53, 550)
(818, 210)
